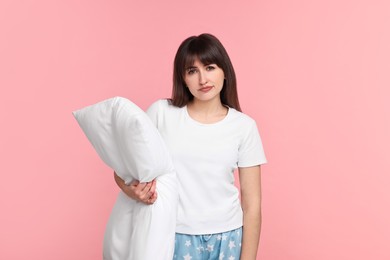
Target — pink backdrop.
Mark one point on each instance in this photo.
(314, 75)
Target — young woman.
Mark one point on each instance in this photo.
(209, 138)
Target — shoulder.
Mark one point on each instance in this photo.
(161, 108)
(161, 104)
(241, 118)
(157, 106)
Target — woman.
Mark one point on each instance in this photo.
(209, 138)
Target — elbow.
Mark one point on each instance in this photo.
(252, 211)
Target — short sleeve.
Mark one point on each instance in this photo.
(251, 152)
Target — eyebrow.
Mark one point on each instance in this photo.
(194, 67)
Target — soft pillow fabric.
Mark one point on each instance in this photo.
(127, 141)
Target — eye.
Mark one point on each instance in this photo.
(210, 67)
(191, 71)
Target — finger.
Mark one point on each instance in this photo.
(152, 190)
(147, 187)
(140, 186)
(136, 190)
(145, 192)
(152, 199)
(153, 187)
(141, 191)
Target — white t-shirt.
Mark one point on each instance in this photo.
(205, 157)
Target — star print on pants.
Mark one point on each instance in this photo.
(231, 244)
(210, 248)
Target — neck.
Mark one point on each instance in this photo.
(207, 111)
(206, 107)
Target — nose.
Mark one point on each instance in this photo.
(202, 78)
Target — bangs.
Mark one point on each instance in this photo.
(204, 52)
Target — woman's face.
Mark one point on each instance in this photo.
(204, 81)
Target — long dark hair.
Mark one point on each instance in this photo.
(209, 50)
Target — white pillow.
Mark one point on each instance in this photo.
(126, 140)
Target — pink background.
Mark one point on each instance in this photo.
(314, 75)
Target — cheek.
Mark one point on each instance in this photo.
(189, 83)
(221, 81)
(221, 78)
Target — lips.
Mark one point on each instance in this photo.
(206, 89)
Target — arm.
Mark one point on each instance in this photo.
(142, 192)
(250, 183)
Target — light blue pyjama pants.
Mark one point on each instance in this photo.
(221, 246)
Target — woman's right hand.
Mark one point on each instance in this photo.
(142, 192)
